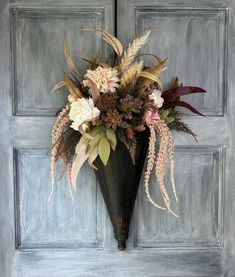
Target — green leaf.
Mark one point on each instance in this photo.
(84, 140)
(97, 130)
(104, 150)
(112, 139)
(93, 144)
(164, 114)
(169, 119)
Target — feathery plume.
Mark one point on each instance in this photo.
(132, 51)
(161, 161)
(57, 132)
(131, 73)
(172, 163)
(150, 164)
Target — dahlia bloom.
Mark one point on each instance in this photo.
(82, 110)
(106, 79)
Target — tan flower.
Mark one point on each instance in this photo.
(106, 79)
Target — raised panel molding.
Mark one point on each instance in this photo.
(37, 37)
(61, 223)
(199, 177)
(196, 47)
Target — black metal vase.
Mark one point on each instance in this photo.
(119, 182)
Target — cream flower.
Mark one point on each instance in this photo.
(106, 79)
(156, 97)
(82, 110)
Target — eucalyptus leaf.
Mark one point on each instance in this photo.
(104, 150)
(93, 144)
(169, 119)
(97, 130)
(164, 114)
(112, 139)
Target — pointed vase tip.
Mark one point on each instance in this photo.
(121, 245)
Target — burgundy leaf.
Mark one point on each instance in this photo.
(171, 94)
(186, 106)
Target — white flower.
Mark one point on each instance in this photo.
(82, 110)
(106, 79)
(156, 97)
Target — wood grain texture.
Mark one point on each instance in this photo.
(199, 176)
(31, 38)
(115, 263)
(193, 36)
(173, 23)
(38, 36)
(61, 222)
(76, 239)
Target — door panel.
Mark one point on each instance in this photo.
(66, 238)
(199, 177)
(38, 35)
(195, 36)
(61, 223)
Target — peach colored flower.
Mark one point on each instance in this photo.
(106, 79)
(151, 117)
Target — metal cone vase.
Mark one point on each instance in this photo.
(119, 183)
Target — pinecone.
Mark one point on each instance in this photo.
(107, 102)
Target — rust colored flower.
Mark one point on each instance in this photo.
(107, 102)
(131, 104)
(130, 132)
(112, 119)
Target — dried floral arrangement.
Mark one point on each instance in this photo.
(114, 103)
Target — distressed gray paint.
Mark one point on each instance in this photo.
(177, 25)
(199, 176)
(37, 47)
(62, 222)
(75, 239)
(193, 36)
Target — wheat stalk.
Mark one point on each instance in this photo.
(132, 51)
(131, 73)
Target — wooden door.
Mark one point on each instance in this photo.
(63, 238)
(197, 38)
